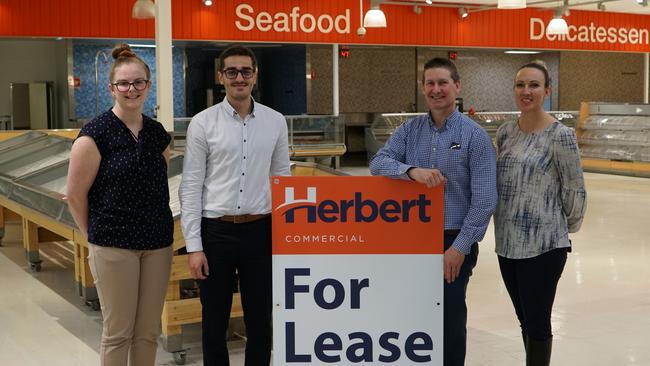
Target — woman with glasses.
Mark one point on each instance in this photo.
(542, 199)
(118, 195)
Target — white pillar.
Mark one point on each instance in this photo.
(646, 76)
(164, 82)
(335, 79)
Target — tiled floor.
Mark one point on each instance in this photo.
(601, 317)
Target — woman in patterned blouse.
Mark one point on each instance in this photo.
(118, 195)
(541, 200)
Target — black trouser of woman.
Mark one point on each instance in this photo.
(531, 283)
(244, 248)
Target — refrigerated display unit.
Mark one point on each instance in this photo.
(316, 137)
(615, 138)
(310, 137)
(384, 124)
(21, 139)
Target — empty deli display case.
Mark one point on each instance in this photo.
(382, 128)
(316, 137)
(491, 121)
(28, 155)
(21, 139)
(615, 138)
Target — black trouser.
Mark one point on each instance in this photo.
(532, 283)
(246, 249)
(455, 310)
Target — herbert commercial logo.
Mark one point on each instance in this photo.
(361, 217)
(357, 209)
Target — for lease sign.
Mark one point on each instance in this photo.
(357, 271)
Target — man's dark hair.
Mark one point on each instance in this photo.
(439, 62)
(237, 50)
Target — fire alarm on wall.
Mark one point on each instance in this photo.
(452, 55)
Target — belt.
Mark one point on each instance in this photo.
(453, 232)
(241, 219)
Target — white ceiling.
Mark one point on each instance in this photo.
(618, 6)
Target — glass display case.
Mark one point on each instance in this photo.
(382, 128)
(30, 155)
(316, 136)
(34, 171)
(310, 136)
(384, 125)
(25, 154)
(21, 139)
(44, 190)
(617, 132)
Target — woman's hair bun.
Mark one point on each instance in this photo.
(540, 63)
(122, 50)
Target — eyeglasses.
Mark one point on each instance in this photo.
(246, 73)
(124, 86)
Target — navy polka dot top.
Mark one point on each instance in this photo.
(128, 203)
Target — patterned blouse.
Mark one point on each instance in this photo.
(128, 203)
(542, 195)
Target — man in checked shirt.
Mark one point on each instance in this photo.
(446, 147)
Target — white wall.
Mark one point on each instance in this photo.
(28, 60)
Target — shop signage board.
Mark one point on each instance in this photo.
(357, 271)
(333, 21)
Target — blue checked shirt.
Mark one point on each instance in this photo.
(463, 153)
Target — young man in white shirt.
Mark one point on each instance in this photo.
(232, 150)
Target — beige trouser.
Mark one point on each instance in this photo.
(131, 285)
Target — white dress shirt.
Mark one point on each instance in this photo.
(228, 163)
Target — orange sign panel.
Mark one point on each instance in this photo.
(356, 215)
(333, 21)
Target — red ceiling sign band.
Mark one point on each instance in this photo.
(334, 21)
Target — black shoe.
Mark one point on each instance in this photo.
(538, 353)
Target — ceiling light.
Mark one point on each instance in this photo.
(601, 6)
(207, 2)
(375, 18)
(557, 25)
(511, 4)
(143, 9)
(429, 2)
(522, 52)
(463, 12)
(642, 2)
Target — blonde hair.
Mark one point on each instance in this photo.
(122, 54)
